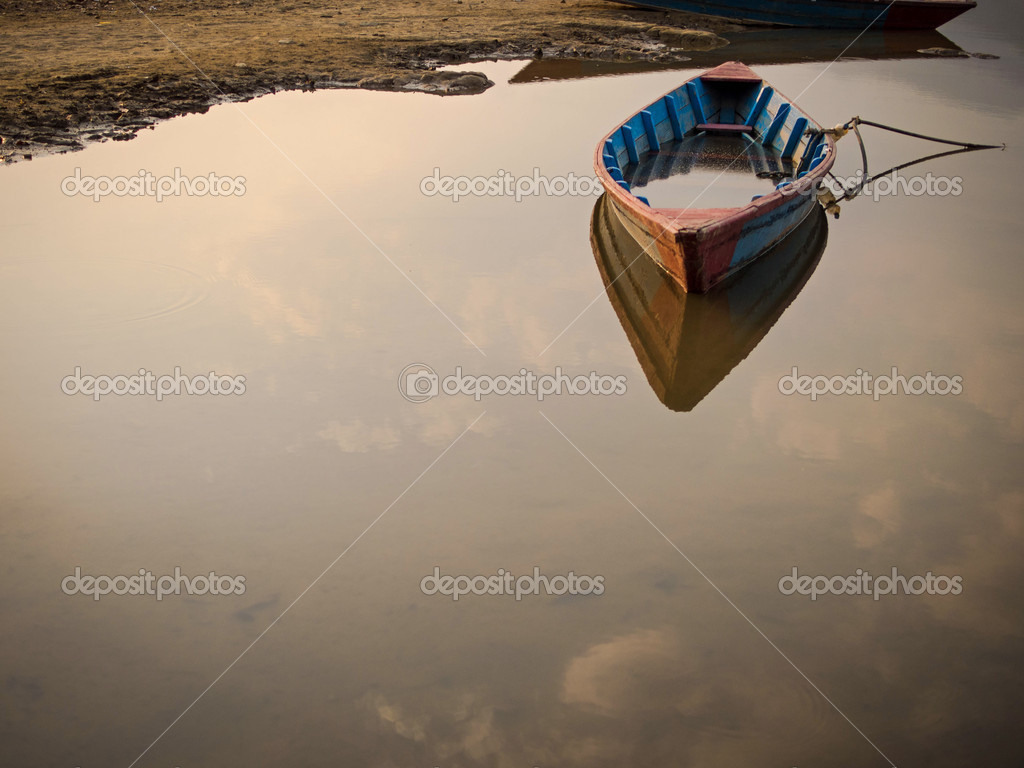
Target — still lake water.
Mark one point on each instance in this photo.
(691, 656)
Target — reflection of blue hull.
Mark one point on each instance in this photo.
(758, 46)
(839, 14)
(687, 343)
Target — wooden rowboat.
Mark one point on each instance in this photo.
(828, 14)
(688, 343)
(737, 114)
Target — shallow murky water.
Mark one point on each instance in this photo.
(706, 171)
(334, 272)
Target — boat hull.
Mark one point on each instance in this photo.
(827, 14)
(701, 259)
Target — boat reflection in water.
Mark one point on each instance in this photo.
(687, 343)
(755, 47)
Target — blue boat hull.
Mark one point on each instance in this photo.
(830, 14)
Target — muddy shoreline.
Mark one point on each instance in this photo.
(79, 71)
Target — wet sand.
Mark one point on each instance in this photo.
(78, 71)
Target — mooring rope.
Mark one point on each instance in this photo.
(964, 144)
(831, 202)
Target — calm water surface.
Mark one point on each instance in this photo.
(692, 656)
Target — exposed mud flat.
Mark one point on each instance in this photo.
(76, 71)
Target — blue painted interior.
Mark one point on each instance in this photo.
(777, 125)
(629, 141)
(693, 95)
(762, 101)
(795, 135)
(650, 130)
(674, 111)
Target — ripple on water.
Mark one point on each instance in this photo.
(738, 714)
(59, 295)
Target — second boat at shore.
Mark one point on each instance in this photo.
(827, 14)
